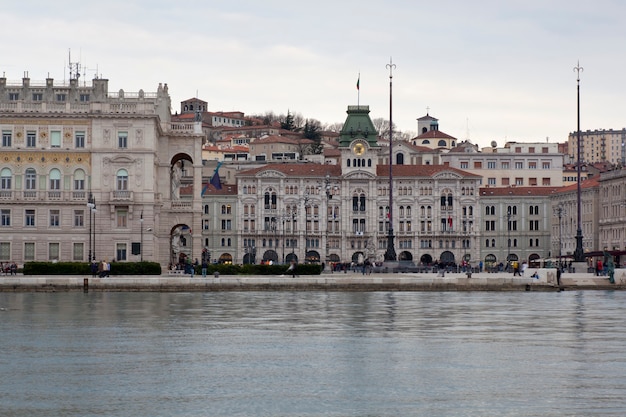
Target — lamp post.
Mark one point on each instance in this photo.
(560, 212)
(293, 231)
(282, 219)
(306, 224)
(329, 195)
(578, 253)
(91, 205)
(509, 214)
(390, 253)
(141, 241)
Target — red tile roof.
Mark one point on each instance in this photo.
(518, 191)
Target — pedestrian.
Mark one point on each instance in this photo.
(558, 277)
(94, 269)
(205, 266)
(292, 269)
(524, 266)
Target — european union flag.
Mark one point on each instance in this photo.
(215, 181)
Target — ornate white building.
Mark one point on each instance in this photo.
(340, 212)
(88, 173)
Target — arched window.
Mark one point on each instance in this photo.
(5, 179)
(270, 199)
(441, 143)
(31, 179)
(206, 209)
(425, 142)
(55, 179)
(400, 159)
(79, 180)
(122, 180)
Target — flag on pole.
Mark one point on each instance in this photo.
(358, 82)
(214, 181)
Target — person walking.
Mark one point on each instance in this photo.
(292, 269)
(205, 266)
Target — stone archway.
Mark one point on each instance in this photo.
(270, 255)
(226, 258)
(447, 258)
(312, 257)
(426, 259)
(181, 176)
(405, 256)
(181, 245)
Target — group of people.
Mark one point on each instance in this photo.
(100, 269)
(8, 268)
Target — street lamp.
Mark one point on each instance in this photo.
(329, 195)
(390, 253)
(91, 205)
(306, 224)
(141, 244)
(578, 253)
(283, 217)
(560, 212)
(509, 214)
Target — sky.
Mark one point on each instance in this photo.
(488, 70)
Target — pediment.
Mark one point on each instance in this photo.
(270, 173)
(359, 175)
(447, 175)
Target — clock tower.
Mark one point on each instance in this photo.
(358, 142)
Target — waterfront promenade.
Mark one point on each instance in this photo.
(351, 281)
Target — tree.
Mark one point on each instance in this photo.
(288, 122)
(312, 130)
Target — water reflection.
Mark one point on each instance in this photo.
(312, 353)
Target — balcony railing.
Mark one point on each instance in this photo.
(121, 195)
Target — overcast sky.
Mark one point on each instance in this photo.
(488, 69)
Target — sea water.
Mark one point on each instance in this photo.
(313, 354)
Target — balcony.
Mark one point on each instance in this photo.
(117, 196)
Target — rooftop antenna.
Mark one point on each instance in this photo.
(74, 67)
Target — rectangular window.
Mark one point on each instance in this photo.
(7, 137)
(5, 217)
(464, 165)
(478, 164)
(79, 185)
(61, 97)
(29, 251)
(506, 181)
(14, 96)
(55, 218)
(532, 165)
(505, 165)
(122, 218)
(55, 139)
(519, 181)
(79, 139)
(29, 217)
(519, 165)
(532, 181)
(545, 165)
(531, 149)
(37, 97)
(122, 140)
(53, 251)
(79, 218)
(31, 139)
(78, 251)
(120, 251)
(491, 164)
(5, 251)
(84, 97)
(545, 181)
(491, 181)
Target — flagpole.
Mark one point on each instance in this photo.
(358, 90)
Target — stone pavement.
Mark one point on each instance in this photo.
(350, 281)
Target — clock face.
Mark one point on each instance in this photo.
(358, 149)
